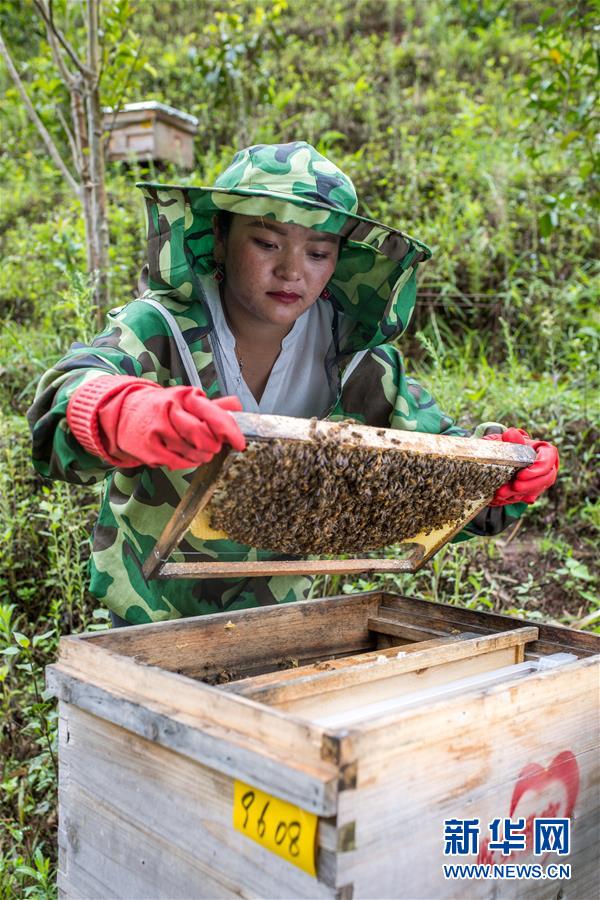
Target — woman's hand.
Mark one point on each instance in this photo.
(132, 422)
(528, 483)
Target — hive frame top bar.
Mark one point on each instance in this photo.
(265, 427)
(257, 427)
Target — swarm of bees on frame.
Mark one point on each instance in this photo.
(330, 497)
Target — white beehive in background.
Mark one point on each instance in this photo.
(151, 131)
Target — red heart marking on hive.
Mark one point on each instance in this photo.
(538, 789)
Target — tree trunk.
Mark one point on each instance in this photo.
(86, 140)
(99, 216)
(78, 119)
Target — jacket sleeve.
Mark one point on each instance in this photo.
(375, 390)
(135, 342)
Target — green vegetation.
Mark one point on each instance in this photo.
(468, 123)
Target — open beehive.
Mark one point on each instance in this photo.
(307, 489)
(315, 749)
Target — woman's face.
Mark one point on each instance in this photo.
(274, 271)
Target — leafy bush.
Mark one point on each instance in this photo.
(44, 532)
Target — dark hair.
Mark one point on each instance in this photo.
(224, 219)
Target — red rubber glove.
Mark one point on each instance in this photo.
(528, 483)
(131, 422)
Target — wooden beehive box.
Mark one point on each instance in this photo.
(316, 749)
(151, 131)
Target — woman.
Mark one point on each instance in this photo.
(266, 292)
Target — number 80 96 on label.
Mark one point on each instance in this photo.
(281, 827)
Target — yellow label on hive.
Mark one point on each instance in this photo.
(281, 827)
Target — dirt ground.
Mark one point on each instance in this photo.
(521, 560)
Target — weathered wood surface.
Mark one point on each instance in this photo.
(256, 425)
(198, 494)
(307, 783)
(394, 628)
(317, 683)
(543, 694)
(462, 758)
(143, 132)
(226, 732)
(358, 714)
(552, 638)
(140, 821)
(247, 686)
(203, 645)
(244, 639)
(362, 566)
(334, 702)
(151, 754)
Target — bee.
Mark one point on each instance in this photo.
(339, 497)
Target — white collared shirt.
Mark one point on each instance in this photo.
(298, 384)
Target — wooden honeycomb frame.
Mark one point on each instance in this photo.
(191, 513)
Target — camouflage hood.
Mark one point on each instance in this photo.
(374, 281)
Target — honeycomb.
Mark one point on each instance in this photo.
(327, 497)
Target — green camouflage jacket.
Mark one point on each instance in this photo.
(373, 284)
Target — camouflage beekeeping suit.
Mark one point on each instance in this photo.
(373, 286)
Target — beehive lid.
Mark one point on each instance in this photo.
(131, 113)
(308, 491)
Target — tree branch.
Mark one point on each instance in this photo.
(47, 15)
(96, 145)
(50, 145)
(70, 138)
(69, 79)
(81, 136)
(93, 46)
